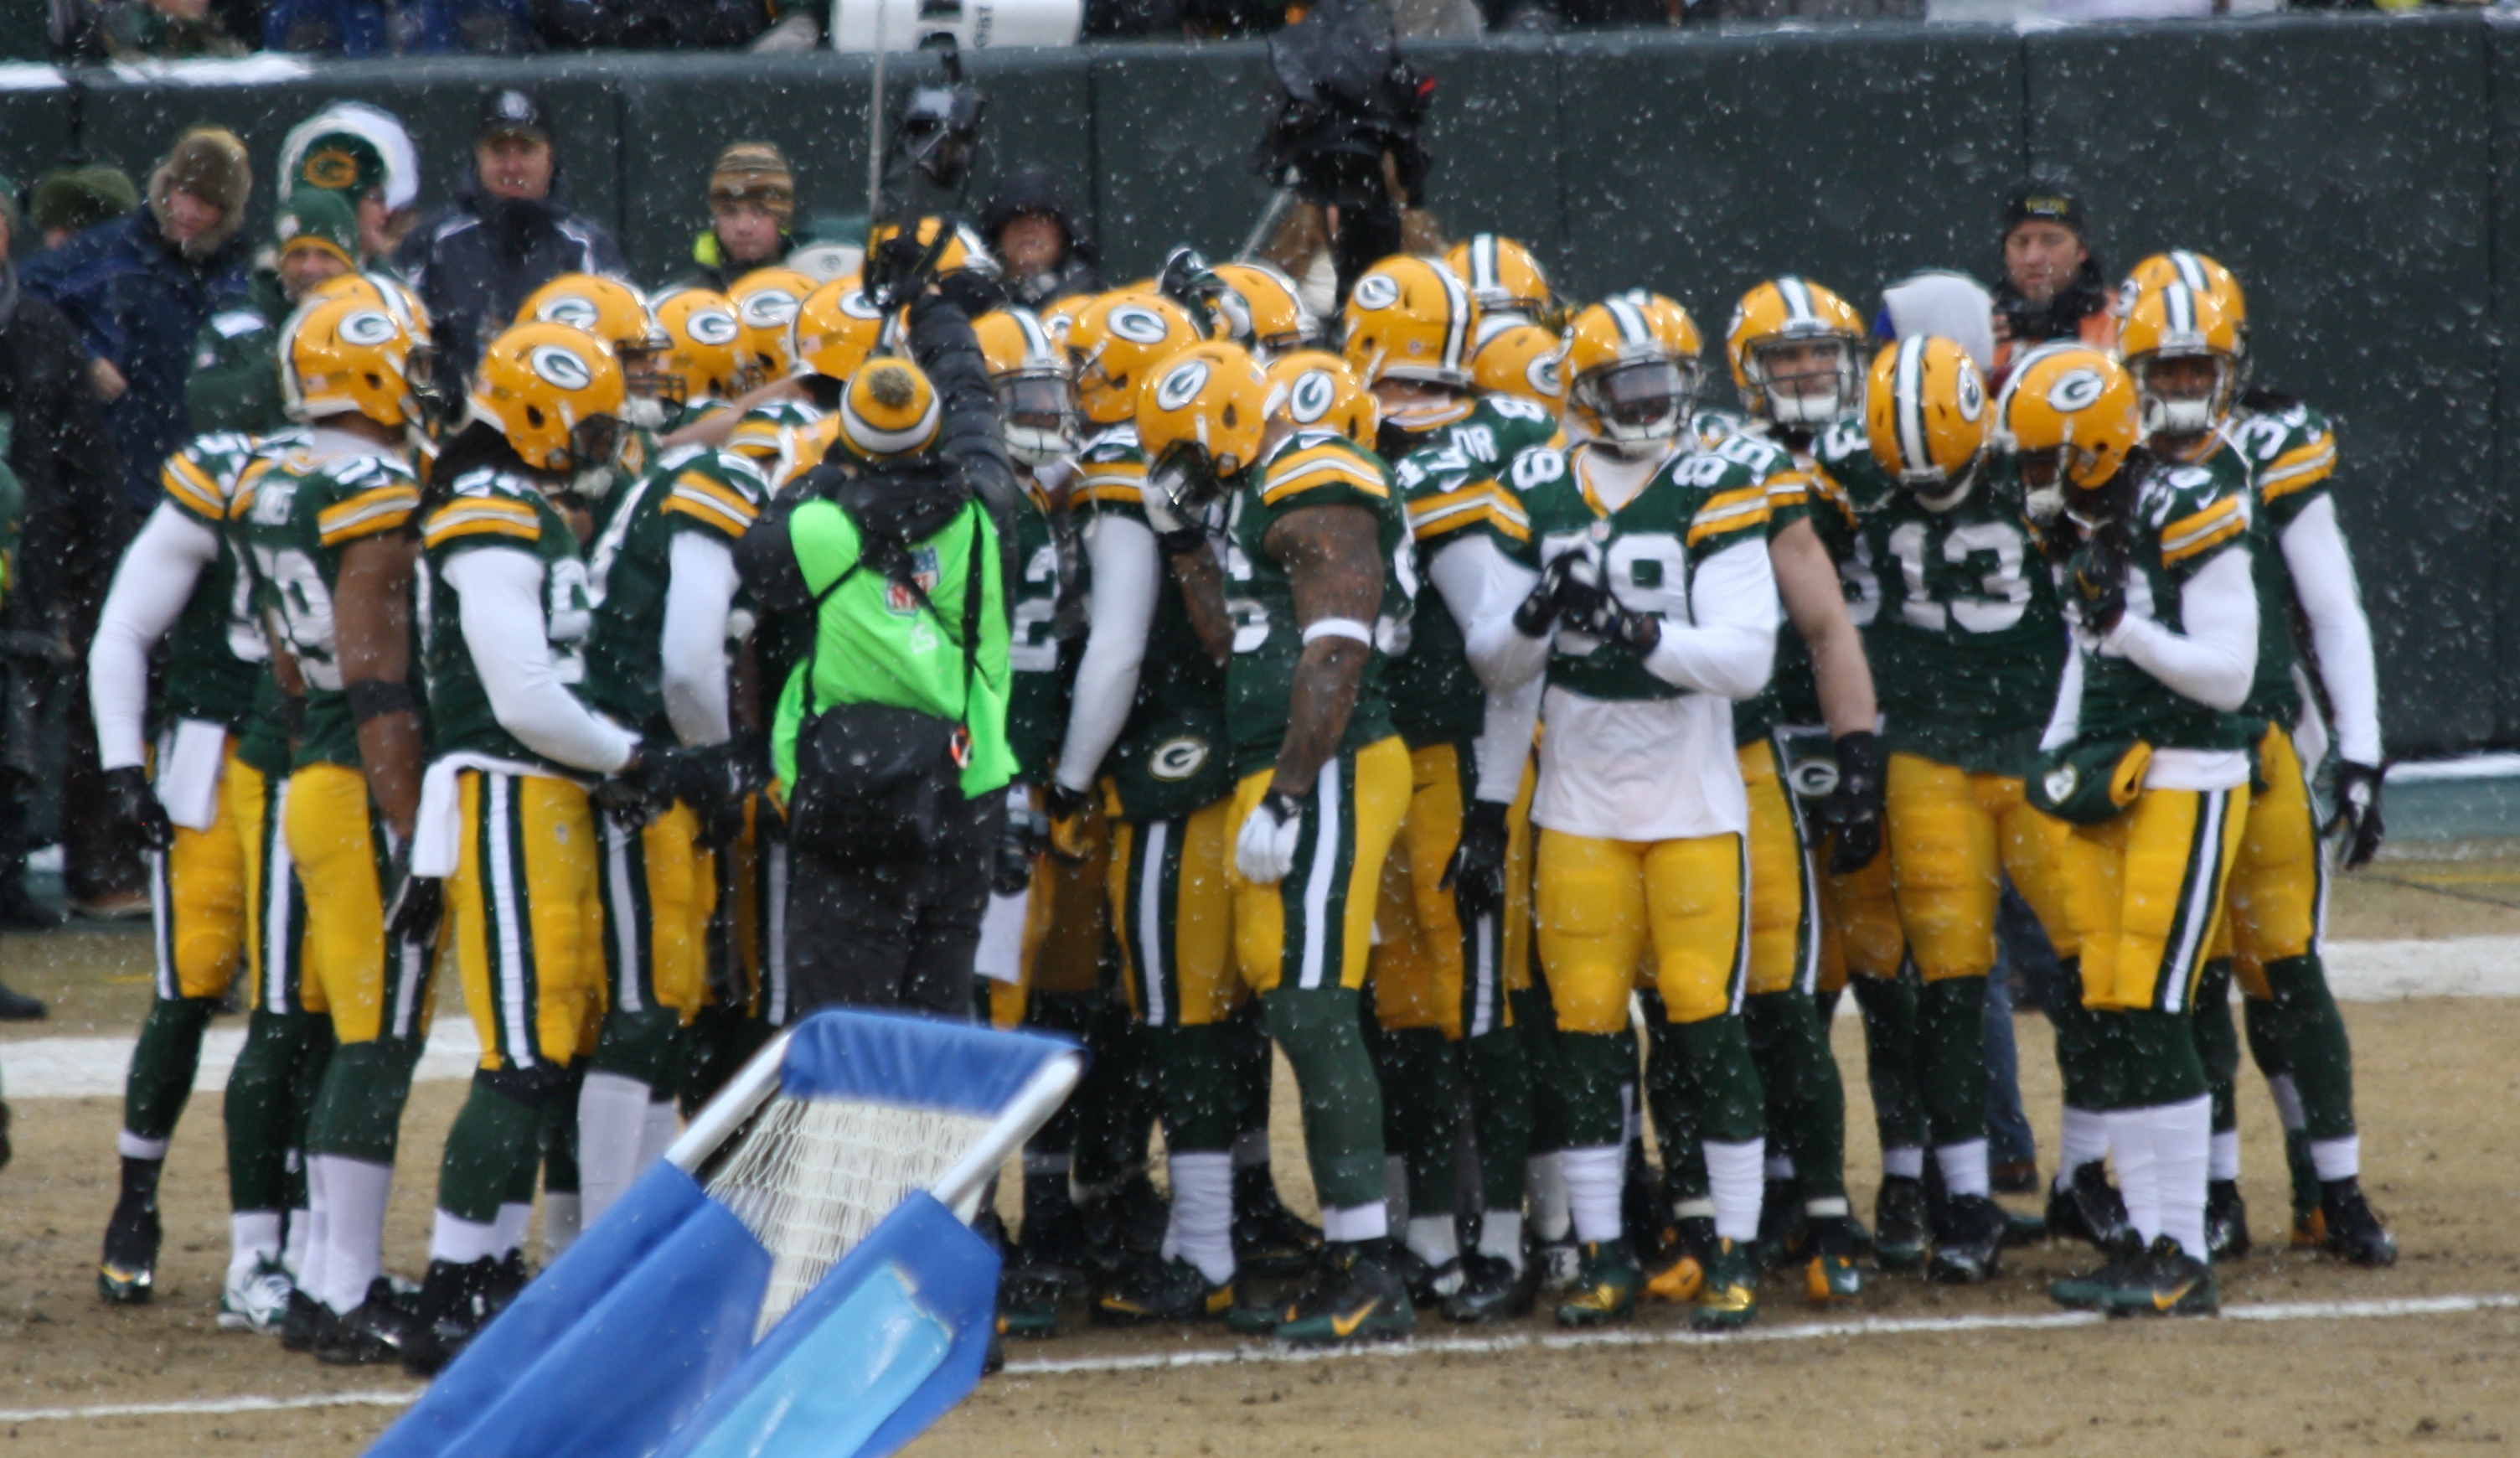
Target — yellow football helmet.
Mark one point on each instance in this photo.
(1625, 385)
(556, 394)
(1410, 318)
(1790, 323)
(390, 294)
(2175, 322)
(1315, 391)
(1522, 360)
(345, 355)
(1202, 415)
(1036, 397)
(2197, 272)
(890, 409)
(765, 305)
(834, 331)
(2069, 413)
(703, 359)
(1503, 276)
(1116, 342)
(1280, 320)
(608, 308)
(1926, 419)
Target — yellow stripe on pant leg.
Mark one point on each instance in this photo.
(1693, 905)
(1403, 973)
(334, 843)
(205, 878)
(1381, 795)
(1946, 872)
(1205, 989)
(2144, 889)
(679, 892)
(566, 916)
(2279, 877)
(1593, 930)
(1518, 929)
(1777, 874)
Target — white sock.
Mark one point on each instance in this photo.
(664, 1127)
(1904, 1162)
(2287, 1097)
(1250, 1147)
(1733, 1178)
(1963, 1167)
(1434, 1239)
(611, 1120)
(1395, 1190)
(2183, 1136)
(1201, 1227)
(1500, 1237)
(1593, 1176)
(2337, 1158)
(461, 1241)
(1779, 1166)
(2138, 1178)
(309, 1268)
(356, 1193)
(300, 1242)
(1544, 1194)
(133, 1147)
(516, 1219)
(2227, 1155)
(1827, 1208)
(1699, 1208)
(1349, 1223)
(563, 1218)
(2085, 1137)
(253, 1236)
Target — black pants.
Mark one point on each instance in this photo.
(893, 934)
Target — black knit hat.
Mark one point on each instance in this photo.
(2047, 200)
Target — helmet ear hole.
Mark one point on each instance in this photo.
(1232, 416)
(534, 416)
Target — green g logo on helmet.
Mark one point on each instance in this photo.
(1180, 386)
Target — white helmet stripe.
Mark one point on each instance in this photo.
(1483, 261)
(1909, 394)
(1798, 304)
(2181, 305)
(2192, 272)
(1633, 329)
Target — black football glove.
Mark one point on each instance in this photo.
(2097, 576)
(2356, 825)
(1853, 810)
(644, 787)
(1593, 609)
(414, 904)
(1064, 812)
(1476, 873)
(1538, 613)
(1011, 866)
(717, 781)
(131, 801)
(974, 292)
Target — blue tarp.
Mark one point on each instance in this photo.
(920, 1061)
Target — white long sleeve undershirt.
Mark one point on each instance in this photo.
(1479, 582)
(2215, 660)
(698, 598)
(1730, 649)
(151, 587)
(1127, 575)
(2340, 633)
(502, 616)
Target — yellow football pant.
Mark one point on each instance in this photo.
(1860, 930)
(275, 902)
(1785, 897)
(1315, 929)
(1954, 837)
(1173, 910)
(523, 916)
(2142, 892)
(2278, 904)
(659, 890)
(198, 893)
(1063, 928)
(373, 991)
(1429, 971)
(1603, 904)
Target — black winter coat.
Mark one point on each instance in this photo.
(474, 264)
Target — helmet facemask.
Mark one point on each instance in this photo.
(1636, 407)
(1805, 381)
(595, 446)
(1038, 412)
(1187, 477)
(648, 383)
(2167, 387)
(1938, 490)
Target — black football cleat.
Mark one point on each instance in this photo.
(2166, 1281)
(1900, 1238)
(1152, 1290)
(2089, 1292)
(2354, 1231)
(378, 1332)
(127, 1275)
(1270, 1241)
(305, 1318)
(1968, 1241)
(2227, 1220)
(2086, 1209)
(1492, 1290)
(452, 1308)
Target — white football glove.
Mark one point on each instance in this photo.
(1265, 851)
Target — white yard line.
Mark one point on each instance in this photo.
(1815, 1331)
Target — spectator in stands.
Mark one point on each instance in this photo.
(58, 469)
(1033, 227)
(235, 383)
(508, 233)
(364, 153)
(147, 29)
(2052, 287)
(68, 200)
(752, 214)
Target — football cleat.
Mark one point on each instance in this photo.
(1492, 1290)
(2015, 1177)
(1560, 1265)
(1681, 1267)
(257, 1299)
(1429, 1284)
(127, 1275)
(2166, 1281)
(2023, 1230)
(1967, 1241)
(1354, 1298)
(1780, 1224)
(2086, 1209)
(453, 1303)
(2309, 1229)
(1159, 1290)
(1728, 1298)
(1607, 1291)
(1270, 1241)
(2227, 1220)
(378, 1331)
(1830, 1275)
(2087, 1291)
(1900, 1238)
(2354, 1230)
(303, 1319)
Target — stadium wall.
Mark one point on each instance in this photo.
(2360, 174)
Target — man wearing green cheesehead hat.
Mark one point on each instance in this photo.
(235, 383)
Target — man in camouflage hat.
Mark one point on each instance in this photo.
(235, 383)
(752, 214)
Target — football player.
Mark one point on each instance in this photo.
(1278, 322)
(1452, 922)
(1313, 589)
(2148, 756)
(701, 369)
(2187, 347)
(1505, 281)
(1652, 607)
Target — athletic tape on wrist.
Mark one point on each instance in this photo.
(1339, 627)
(371, 697)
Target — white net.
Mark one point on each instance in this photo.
(811, 1178)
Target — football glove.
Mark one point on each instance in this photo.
(1537, 611)
(1588, 606)
(414, 904)
(1174, 532)
(2356, 825)
(2097, 575)
(131, 801)
(1476, 873)
(1026, 836)
(642, 789)
(1067, 809)
(1265, 850)
(1854, 808)
(717, 781)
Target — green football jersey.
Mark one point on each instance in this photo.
(216, 652)
(1959, 611)
(1170, 759)
(629, 568)
(1308, 469)
(306, 512)
(1699, 502)
(1037, 698)
(1457, 484)
(491, 509)
(2183, 517)
(2291, 458)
